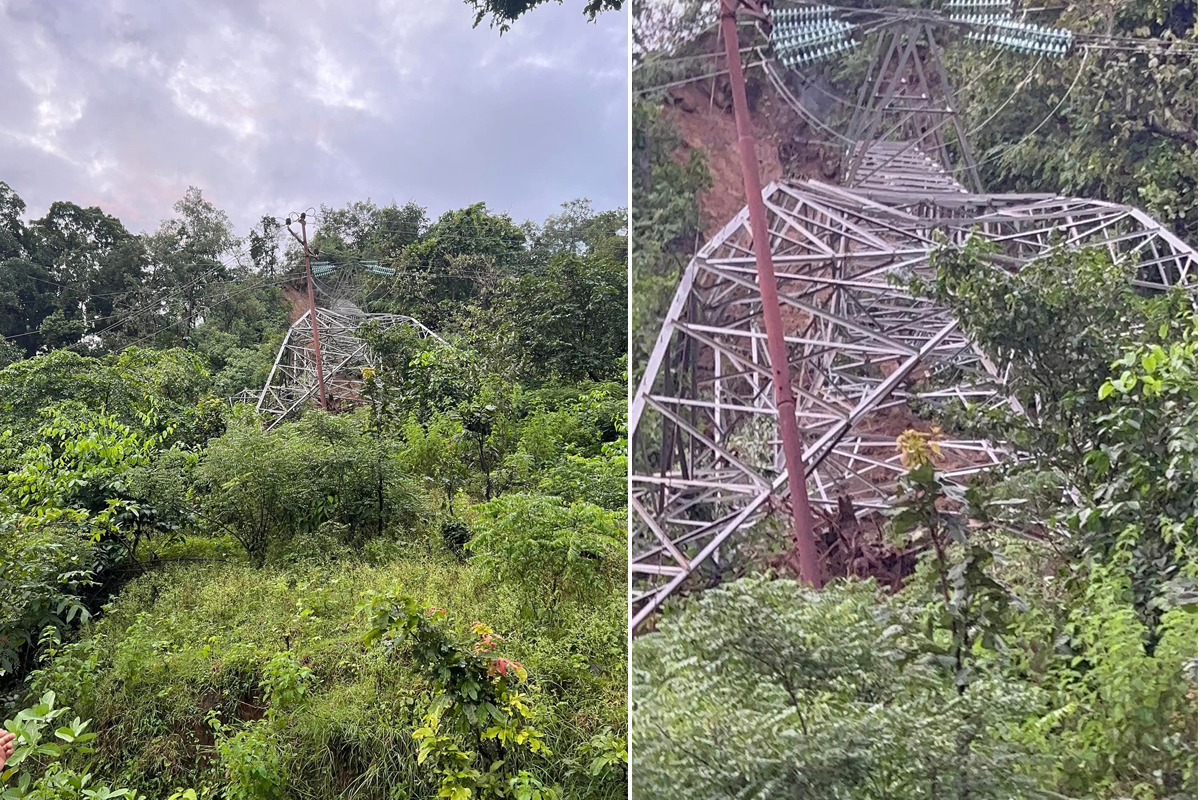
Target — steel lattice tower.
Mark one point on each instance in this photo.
(707, 465)
(292, 382)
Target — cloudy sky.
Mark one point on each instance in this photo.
(271, 106)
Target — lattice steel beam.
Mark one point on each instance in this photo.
(706, 463)
(907, 118)
(292, 383)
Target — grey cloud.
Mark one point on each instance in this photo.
(272, 106)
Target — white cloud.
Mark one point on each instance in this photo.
(271, 105)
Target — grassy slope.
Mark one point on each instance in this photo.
(187, 639)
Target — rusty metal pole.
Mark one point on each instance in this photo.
(785, 400)
(312, 309)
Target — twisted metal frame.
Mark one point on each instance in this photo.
(293, 382)
(705, 468)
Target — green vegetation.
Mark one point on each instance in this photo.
(1045, 646)
(1116, 123)
(503, 13)
(420, 597)
(666, 224)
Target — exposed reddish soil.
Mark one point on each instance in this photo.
(298, 302)
(702, 114)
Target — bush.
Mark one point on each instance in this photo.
(764, 687)
(456, 534)
(267, 487)
(242, 641)
(552, 552)
(36, 760)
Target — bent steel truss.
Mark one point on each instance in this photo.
(293, 379)
(707, 462)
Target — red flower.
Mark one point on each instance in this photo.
(502, 665)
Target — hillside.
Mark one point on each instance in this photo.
(995, 386)
(423, 593)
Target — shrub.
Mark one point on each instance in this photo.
(37, 764)
(551, 551)
(478, 723)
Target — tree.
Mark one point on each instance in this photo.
(569, 317)
(264, 246)
(438, 453)
(149, 390)
(602, 479)
(504, 13)
(1112, 441)
(188, 256)
(1115, 124)
(580, 230)
(257, 485)
(93, 263)
(763, 687)
(27, 298)
(27, 294)
(434, 264)
(13, 234)
(363, 230)
(266, 488)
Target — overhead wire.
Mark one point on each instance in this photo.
(127, 314)
(653, 62)
(1020, 87)
(797, 106)
(233, 258)
(206, 307)
(1029, 134)
(1088, 44)
(682, 82)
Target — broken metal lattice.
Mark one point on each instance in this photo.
(293, 382)
(705, 468)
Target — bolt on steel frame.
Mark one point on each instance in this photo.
(706, 468)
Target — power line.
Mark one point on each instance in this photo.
(206, 307)
(1019, 88)
(653, 62)
(685, 81)
(796, 105)
(1053, 111)
(125, 315)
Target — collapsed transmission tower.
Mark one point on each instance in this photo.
(293, 381)
(708, 466)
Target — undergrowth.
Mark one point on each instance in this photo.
(258, 680)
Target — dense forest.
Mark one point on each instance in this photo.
(1045, 643)
(421, 596)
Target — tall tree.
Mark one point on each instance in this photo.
(580, 229)
(190, 254)
(461, 253)
(93, 262)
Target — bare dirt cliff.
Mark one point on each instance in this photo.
(702, 113)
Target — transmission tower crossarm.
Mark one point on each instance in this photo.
(785, 400)
(312, 308)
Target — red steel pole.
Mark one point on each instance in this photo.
(785, 401)
(312, 309)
